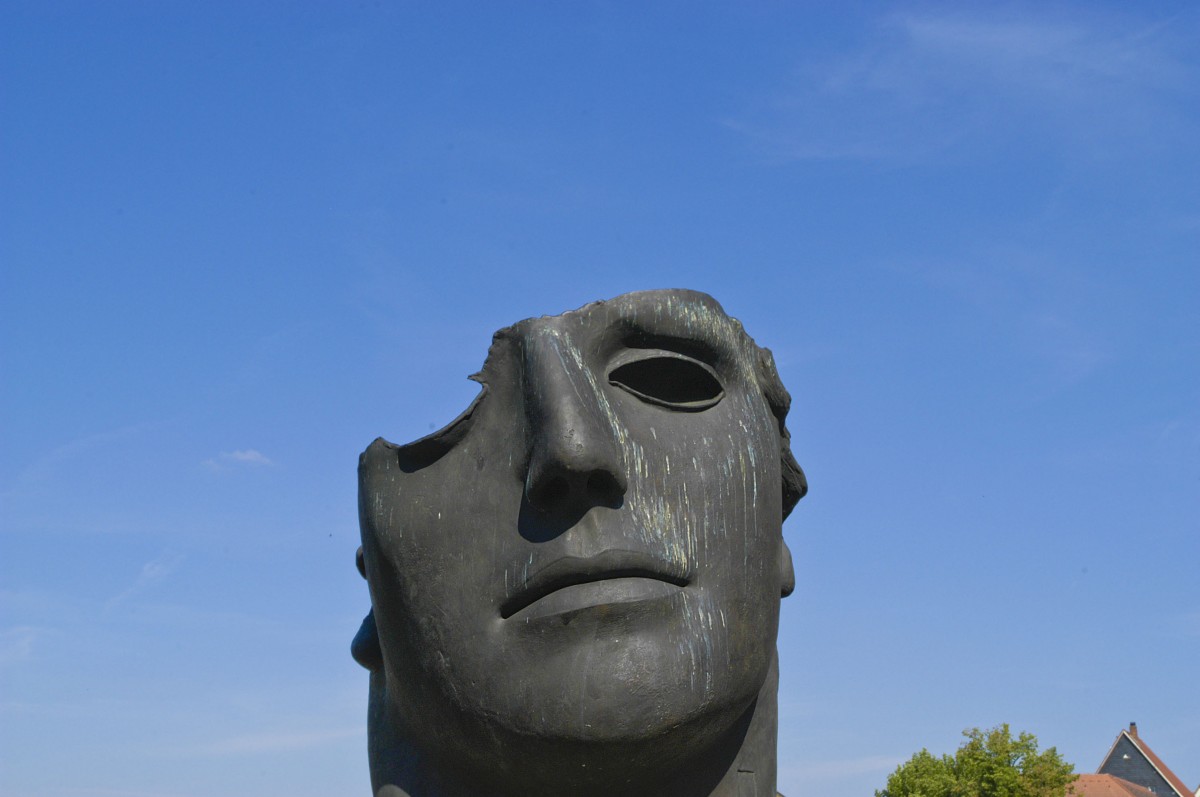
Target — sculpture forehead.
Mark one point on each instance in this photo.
(690, 321)
(683, 315)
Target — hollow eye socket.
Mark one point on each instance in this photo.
(669, 380)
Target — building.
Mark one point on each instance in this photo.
(1131, 769)
(1106, 786)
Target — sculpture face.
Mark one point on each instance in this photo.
(591, 554)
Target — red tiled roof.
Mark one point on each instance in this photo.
(1162, 768)
(1106, 786)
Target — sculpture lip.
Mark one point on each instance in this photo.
(568, 571)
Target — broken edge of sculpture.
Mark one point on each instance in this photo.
(575, 584)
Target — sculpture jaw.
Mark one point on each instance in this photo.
(740, 761)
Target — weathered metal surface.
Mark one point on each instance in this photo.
(575, 584)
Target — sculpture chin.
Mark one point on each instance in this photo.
(704, 755)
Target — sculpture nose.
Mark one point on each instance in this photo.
(575, 461)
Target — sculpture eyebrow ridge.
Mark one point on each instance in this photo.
(637, 336)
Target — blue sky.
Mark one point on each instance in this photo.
(239, 241)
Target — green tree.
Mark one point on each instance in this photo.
(990, 763)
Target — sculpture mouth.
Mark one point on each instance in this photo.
(571, 583)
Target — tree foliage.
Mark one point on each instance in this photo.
(990, 763)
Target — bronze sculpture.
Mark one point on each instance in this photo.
(575, 584)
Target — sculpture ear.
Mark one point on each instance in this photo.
(787, 573)
(365, 647)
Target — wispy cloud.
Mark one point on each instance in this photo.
(152, 573)
(17, 643)
(921, 84)
(277, 741)
(247, 456)
(1043, 304)
(47, 468)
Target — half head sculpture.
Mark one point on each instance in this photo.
(575, 584)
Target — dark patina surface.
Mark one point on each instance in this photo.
(575, 584)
